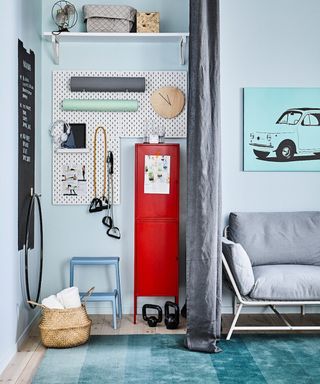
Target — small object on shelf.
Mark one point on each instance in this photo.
(152, 320)
(153, 138)
(148, 130)
(153, 134)
(168, 102)
(59, 138)
(87, 105)
(109, 18)
(148, 22)
(65, 16)
(162, 134)
(107, 84)
(171, 320)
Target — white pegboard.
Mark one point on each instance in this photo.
(127, 124)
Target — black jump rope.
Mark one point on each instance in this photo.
(105, 202)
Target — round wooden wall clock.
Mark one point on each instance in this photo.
(168, 102)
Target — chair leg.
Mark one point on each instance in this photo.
(118, 307)
(119, 290)
(135, 303)
(114, 313)
(71, 274)
(235, 304)
(303, 311)
(234, 322)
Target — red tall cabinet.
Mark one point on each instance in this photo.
(156, 267)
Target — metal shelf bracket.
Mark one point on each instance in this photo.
(55, 48)
(183, 44)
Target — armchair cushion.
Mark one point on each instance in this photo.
(240, 265)
(277, 237)
(286, 282)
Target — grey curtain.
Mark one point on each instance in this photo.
(203, 240)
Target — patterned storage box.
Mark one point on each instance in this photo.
(148, 22)
(109, 18)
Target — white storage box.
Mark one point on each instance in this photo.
(109, 18)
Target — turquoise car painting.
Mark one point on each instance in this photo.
(296, 132)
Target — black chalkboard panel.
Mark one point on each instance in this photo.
(26, 121)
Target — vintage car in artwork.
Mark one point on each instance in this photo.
(296, 132)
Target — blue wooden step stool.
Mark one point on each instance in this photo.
(115, 295)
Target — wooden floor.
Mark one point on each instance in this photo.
(25, 363)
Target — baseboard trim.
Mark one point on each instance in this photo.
(26, 331)
(15, 348)
(6, 359)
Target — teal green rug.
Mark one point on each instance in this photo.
(155, 359)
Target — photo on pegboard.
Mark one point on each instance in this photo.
(76, 137)
(73, 180)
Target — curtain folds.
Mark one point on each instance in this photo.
(203, 239)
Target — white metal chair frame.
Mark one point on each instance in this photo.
(242, 301)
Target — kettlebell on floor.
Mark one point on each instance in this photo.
(171, 320)
(152, 320)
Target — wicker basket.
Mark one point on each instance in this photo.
(65, 328)
(148, 22)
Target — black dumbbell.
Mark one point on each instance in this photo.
(171, 319)
(152, 320)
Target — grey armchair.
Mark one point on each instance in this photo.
(273, 259)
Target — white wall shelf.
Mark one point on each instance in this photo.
(85, 37)
(73, 150)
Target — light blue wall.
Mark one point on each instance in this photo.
(71, 230)
(22, 20)
(265, 44)
(255, 42)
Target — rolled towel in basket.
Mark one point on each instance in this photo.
(70, 297)
(52, 302)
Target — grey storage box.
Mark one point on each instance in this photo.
(109, 18)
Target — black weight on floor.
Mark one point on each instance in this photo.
(152, 320)
(171, 320)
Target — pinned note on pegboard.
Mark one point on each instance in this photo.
(118, 125)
